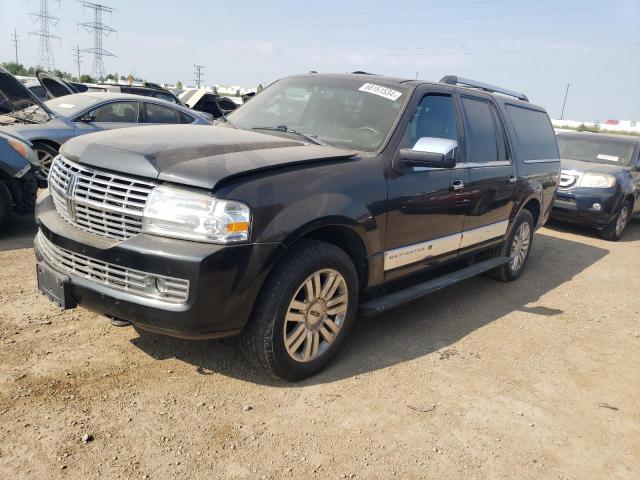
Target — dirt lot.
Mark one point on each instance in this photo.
(534, 379)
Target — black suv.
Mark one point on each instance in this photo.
(312, 201)
(600, 181)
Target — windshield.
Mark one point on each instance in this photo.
(596, 150)
(342, 112)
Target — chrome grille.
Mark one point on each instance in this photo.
(568, 179)
(97, 201)
(173, 290)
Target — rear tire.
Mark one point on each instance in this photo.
(46, 153)
(613, 232)
(303, 313)
(517, 248)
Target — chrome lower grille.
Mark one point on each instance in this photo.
(149, 285)
(97, 201)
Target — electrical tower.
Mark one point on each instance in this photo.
(46, 21)
(99, 30)
(77, 57)
(15, 42)
(198, 74)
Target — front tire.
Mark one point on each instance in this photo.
(304, 312)
(46, 153)
(517, 248)
(614, 230)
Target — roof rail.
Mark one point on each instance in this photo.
(455, 80)
(360, 72)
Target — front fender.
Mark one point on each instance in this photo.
(325, 209)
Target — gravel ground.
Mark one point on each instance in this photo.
(533, 379)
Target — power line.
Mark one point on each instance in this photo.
(77, 57)
(46, 22)
(99, 30)
(15, 42)
(564, 103)
(198, 74)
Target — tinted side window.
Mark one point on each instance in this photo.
(121, 112)
(480, 131)
(536, 140)
(434, 117)
(160, 114)
(165, 96)
(184, 118)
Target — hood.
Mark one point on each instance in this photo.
(582, 166)
(199, 156)
(15, 96)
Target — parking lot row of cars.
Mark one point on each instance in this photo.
(323, 196)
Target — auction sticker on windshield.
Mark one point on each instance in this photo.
(610, 158)
(66, 105)
(385, 92)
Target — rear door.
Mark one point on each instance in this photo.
(490, 190)
(155, 114)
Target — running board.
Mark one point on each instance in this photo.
(381, 304)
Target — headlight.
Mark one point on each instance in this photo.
(20, 147)
(597, 180)
(195, 215)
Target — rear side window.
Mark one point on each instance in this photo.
(160, 114)
(485, 139)
(184, 118)
(534, 133)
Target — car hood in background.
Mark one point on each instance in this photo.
(581, 166)
(199, 156)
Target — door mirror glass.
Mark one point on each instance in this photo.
(431, 152)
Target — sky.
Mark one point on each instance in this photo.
(535, 47)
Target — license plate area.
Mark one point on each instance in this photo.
(55, 286)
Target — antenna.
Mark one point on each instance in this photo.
(15, 42)
(46, 22)
(198, 74)
(564, 104)
(99, 30)
(77, 57)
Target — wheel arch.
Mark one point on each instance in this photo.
(47, 141)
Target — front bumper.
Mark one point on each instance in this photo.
(577, 206)
(224, 281)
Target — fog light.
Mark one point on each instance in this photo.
(596, 206)
(161, 286)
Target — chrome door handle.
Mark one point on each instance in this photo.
(512, 180)
(456, 185)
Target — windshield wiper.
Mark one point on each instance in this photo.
(226, 120)
(283, 128)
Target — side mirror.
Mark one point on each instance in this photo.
(431, 152)
(87, 118)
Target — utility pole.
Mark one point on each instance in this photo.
(566, 92)
(15, 41)
(46, 22)
(77, 57)
(99, 30)
(198, 74)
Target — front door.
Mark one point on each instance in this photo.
(426, 211)
(492, 177)
(108, 117)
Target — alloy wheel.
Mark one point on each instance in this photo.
(520, 247)
(315, 315)
(622, 220)
(45, 159)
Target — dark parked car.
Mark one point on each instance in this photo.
(146, 90)
(312, 200)
(203, 100)
(19, 177)
(600, 181)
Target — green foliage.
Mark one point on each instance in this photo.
(259, 89)
(179, 85)
(19, 69)
(87, 79)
